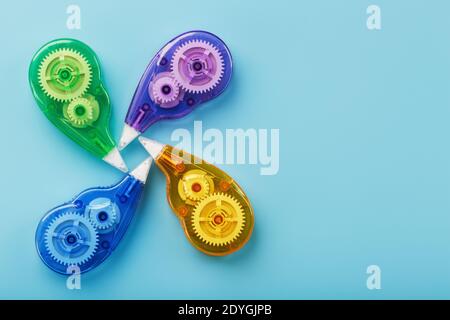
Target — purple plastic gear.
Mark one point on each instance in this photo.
(197, 66)
(164, 90)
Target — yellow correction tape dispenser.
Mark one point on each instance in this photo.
(214, 211)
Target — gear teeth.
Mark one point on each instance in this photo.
(90, 107)
(219, 64)
(112, 212)
(49, 58)
(106, 225)
(233, 205)
(58, 257)
(189, 179)
(156, 85)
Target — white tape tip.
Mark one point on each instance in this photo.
(153, 147)
(115, 159)
(128, 135)
(142, 170)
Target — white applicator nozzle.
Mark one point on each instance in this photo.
(115, 159)
(153, 147)
(141, 171)
(128, 135)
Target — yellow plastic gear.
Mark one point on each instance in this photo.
(218, 219)
(65, 74)
(195, 185)
(81, 112)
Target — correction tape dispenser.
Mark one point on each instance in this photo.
(191, 69)
(214, 211)
(66, 82)
(85, 231)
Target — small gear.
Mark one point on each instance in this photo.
(218, 219)
(82, 112)
(103, 213)
(71, 239)
(164, 90)
(65, 74)
(197, 66)
(195, 185)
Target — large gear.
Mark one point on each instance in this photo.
(218, 219)
(165, 91)
(71, 239)
(197, 66)
(65, 74)
(82, 112)
(195, 185)
(103, 213)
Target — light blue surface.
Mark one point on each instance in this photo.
(364, 153)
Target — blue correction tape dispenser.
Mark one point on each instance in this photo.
(85, 231)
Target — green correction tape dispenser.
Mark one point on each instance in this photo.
(66, 82)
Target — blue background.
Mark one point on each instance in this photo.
(364, 159)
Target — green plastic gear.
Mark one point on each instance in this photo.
(82, 112)
(65, 74)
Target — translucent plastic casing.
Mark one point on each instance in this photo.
(209, 218)
(85, 231)
(146, 109)
(66, 82)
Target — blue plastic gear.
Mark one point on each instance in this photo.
(103, 213)
(71, 239)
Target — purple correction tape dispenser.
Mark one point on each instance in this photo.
(193, 68)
